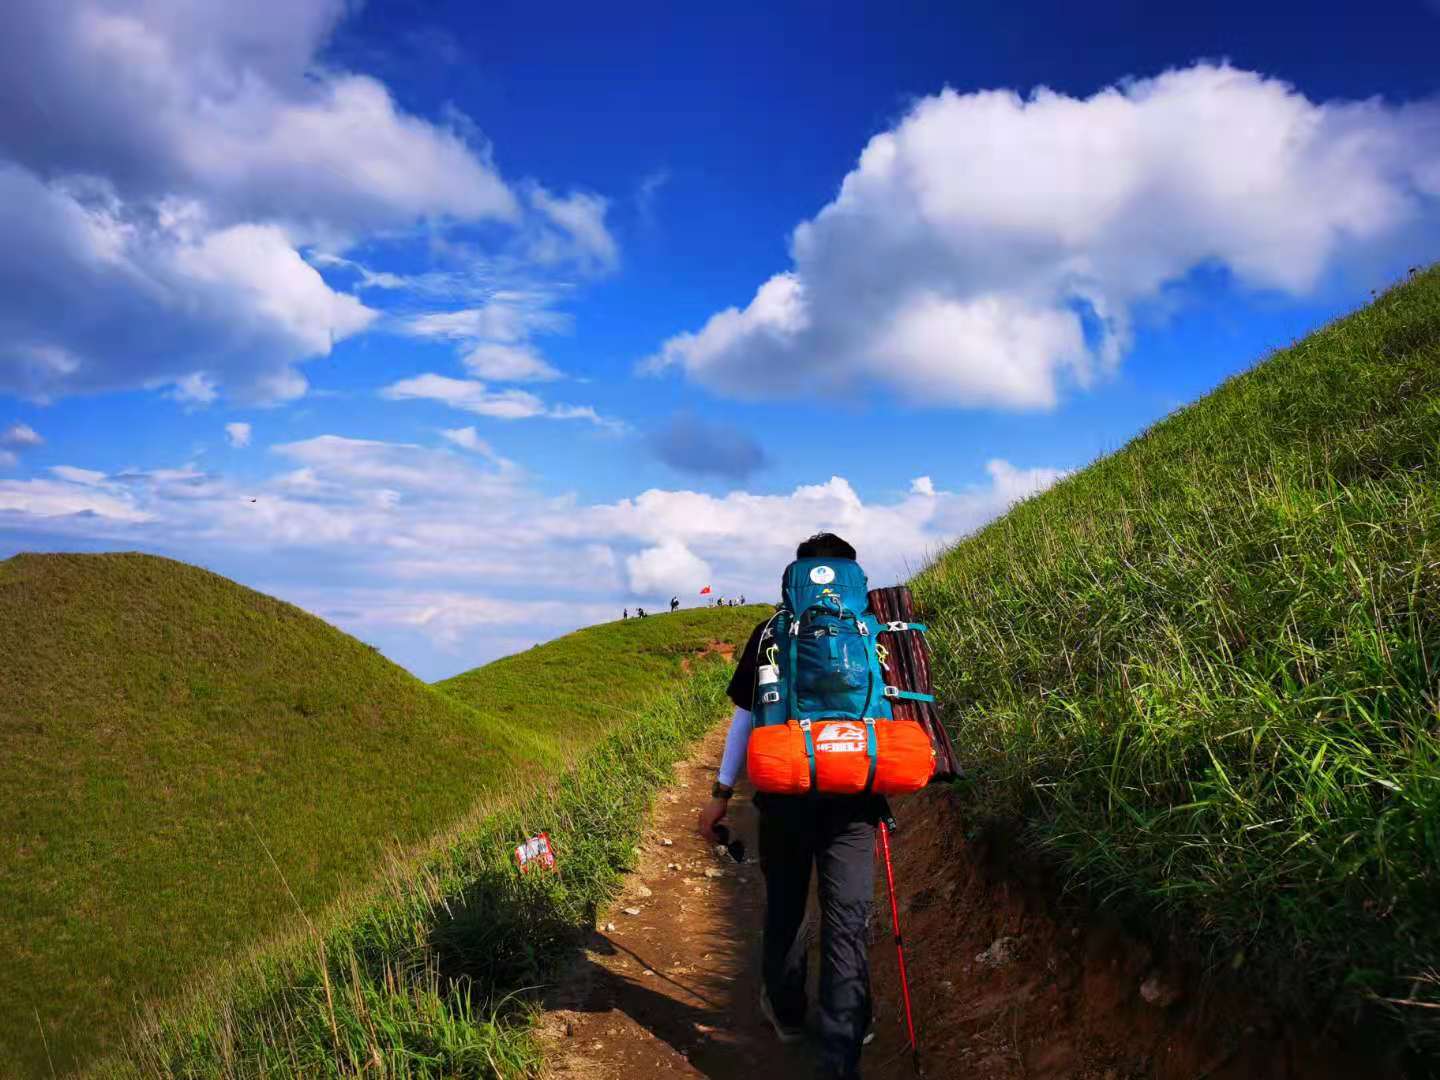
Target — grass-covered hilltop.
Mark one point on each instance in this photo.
(171, 743)
(1204, 670)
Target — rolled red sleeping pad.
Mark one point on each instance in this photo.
(908, 668)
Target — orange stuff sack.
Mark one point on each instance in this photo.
(777, 763)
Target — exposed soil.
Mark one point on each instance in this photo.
(723, 649)
(674, 989)
(1008, 984)
(1005, 984)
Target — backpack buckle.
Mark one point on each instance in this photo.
(770, 697)
(892, 691)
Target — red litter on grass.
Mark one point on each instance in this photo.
(535, 852)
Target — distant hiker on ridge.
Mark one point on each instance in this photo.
(674, 603)
(825, 589)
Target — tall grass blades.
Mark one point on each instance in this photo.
(1204, 669)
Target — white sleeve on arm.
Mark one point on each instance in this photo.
(733, 763)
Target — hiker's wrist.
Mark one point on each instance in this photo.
(721, 791)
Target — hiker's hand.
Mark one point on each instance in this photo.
(710, 816)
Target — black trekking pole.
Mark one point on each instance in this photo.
(884, 844)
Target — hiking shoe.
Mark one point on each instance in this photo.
(786, 1033)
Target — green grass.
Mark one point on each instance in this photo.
(590, 674)
(433, 977)
(1204, 670)
(162, 727)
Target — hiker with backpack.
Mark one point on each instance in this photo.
(808, 690)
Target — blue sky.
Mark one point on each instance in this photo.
(464, 325)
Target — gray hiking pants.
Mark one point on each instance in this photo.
(837, 835)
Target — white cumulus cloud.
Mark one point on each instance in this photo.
(226, 103)
(991, 248)
(97, 294)
(668, 567)
(163, 165)
(238, 433)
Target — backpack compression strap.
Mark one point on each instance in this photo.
(894, 692)
(907, 695)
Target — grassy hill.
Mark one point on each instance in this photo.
(1204, 670)
(590, 674)
(162, 727)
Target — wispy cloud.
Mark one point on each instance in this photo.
(647, 192)
(577, 231)
(476, 397)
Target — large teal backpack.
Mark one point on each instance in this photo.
(821, 642)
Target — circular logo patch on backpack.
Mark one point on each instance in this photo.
(822, 575)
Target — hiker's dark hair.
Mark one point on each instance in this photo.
(824, 546)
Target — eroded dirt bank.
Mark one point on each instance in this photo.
(1007, 983)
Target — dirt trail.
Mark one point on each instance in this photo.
(673, 990)
(1005, 985)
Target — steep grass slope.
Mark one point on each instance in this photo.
(436, 973)
(1204, 669)
(166, 733)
